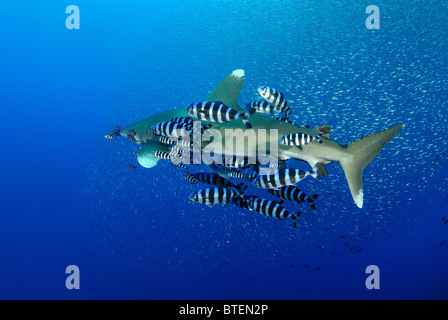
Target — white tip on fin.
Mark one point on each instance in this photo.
(238, 73)
(359, 199)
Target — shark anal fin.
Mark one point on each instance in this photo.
(321, 170)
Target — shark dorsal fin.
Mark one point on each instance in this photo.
(228, 90)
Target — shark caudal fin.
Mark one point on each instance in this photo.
(360, 153)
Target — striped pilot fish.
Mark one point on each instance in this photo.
(231, 170)
(236, 174)
(190, 121)
(109, 137)
(167, 140)
(284, 119)
(213, 196)
(276, 98)
(234, 161)
(179, 154)
(171, 129)
(243, 201)
(273, 209)
(283, 177)
(295, 194)
(299, 139)
(263, 107)
(175, 159)
(216, 111)
(252, 176)
(169, 156)
(190, 177)
(184, 143)
(177, 150)
(131, 136)
(216, 180)
(186, 120)
(162, 155)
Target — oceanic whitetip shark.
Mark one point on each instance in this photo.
(353, 157)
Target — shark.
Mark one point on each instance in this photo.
(353, 157)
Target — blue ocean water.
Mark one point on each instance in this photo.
(69, 197)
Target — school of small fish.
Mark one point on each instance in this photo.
(281, 180)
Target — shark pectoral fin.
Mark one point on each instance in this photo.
(359, 154)
(145, 155)
(228, 90)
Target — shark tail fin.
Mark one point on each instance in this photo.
(359, 154)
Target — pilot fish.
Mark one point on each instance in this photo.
(216, 180)
(299, 139)
(272, 208)
(171, 129)
(213, 196)
(276, 98)
(109, 137)
(284, 119)
(236, 174)
(131, 136)
(295, 194)
(167, 140)
(186, 120)
(162, 155)
(190, 177)
(234, 161)
(243, 201)
(216, 111)
(189, 121)
(252, 176)
(263, 107)
(283, 177)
